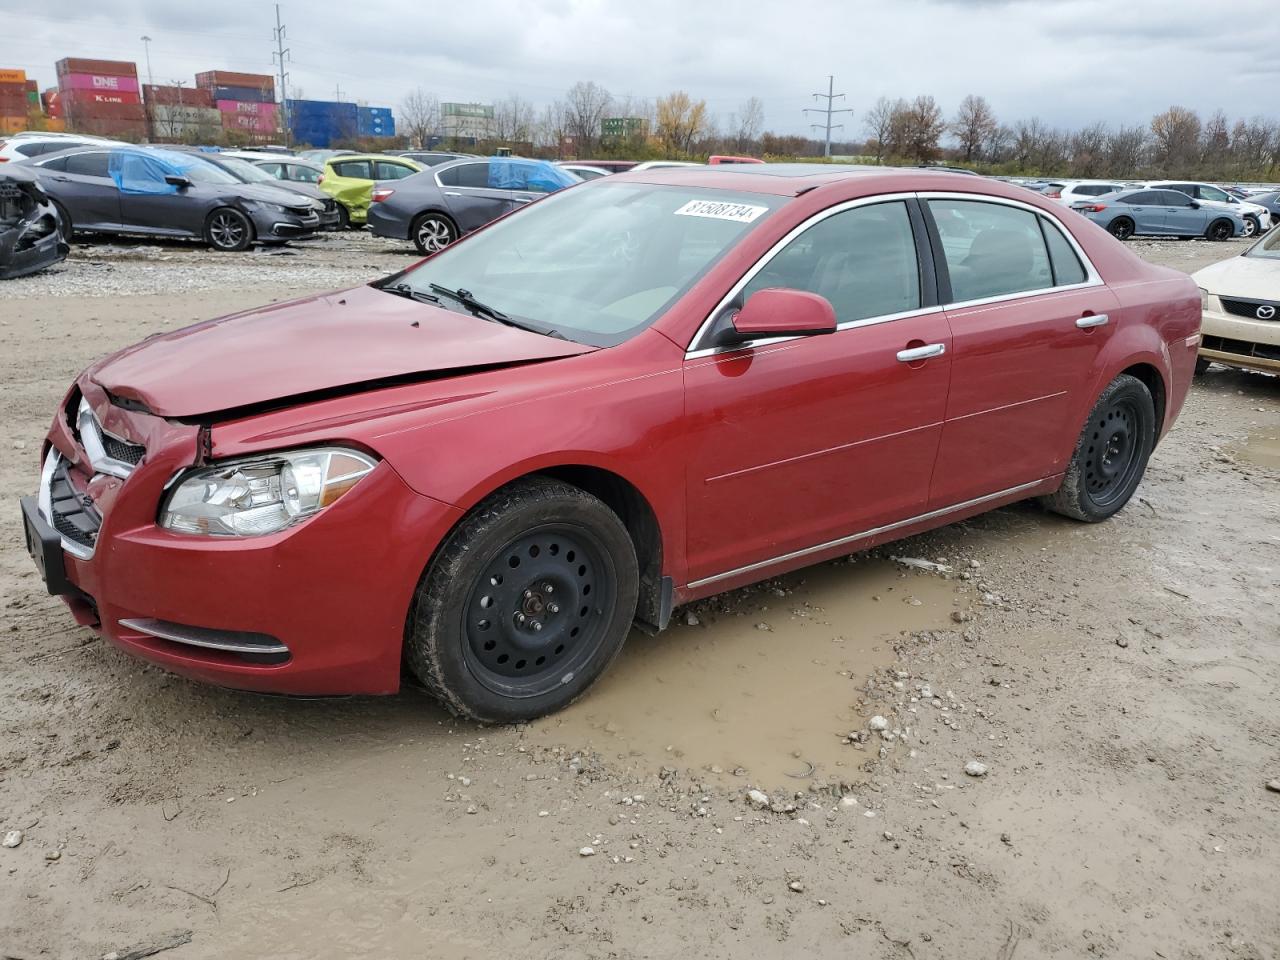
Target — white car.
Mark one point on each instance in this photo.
(1241, 306)
(1257, 219)
(17, 147)
(661, 164)
(1076, 190)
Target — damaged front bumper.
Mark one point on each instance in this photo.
(29, 236)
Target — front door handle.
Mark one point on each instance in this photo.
(523, 199)
(1092, 320)
(912, 354)
(452, 193)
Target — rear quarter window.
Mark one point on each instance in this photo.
(356, 169)
(1067, 268)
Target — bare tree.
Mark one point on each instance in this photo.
(586, 106)
(878, 123)
(419, 118)
(1175, 136)
(513, 119)
(1125, 150)
(974, 123)
(1089, 150)
(553, 128)
(924, 128)
(747, 124)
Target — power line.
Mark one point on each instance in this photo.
(279, 56)
(831, 97)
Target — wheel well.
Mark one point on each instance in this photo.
(621, 496)
(1154, 382)
(253, 230)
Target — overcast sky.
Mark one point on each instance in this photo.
(1068, 62)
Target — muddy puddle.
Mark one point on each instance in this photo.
(767, 680)
(1261, 448)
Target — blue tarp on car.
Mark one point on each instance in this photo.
(143, 171)
(508, 173)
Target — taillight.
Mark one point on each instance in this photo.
(381, 194)
(1054, 194)
(320, 179)
(1096, 207)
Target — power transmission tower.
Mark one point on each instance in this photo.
(831, 97)
(279, 56)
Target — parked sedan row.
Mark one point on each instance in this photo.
(1145, 212)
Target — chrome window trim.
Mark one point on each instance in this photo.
(863, 535)
(693, 351)
(1092, 277)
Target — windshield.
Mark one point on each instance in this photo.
(1268, 248)
(597, 264)
(208, 173)
(244, 170)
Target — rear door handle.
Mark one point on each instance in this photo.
(913, 354)
(452, 193)
(1093, 320)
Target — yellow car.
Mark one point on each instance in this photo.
(349, 179)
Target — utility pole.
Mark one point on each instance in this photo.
(337, 93)
(146, 43)
(280, 55)
(831, 97)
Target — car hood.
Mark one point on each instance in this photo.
(342, 342)
(296, 188)
(1255, 278)
(267, 192)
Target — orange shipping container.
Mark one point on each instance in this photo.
(13, 124)
(13, 76)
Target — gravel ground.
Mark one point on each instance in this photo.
(1058, 744)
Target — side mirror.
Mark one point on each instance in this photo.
(1195, 204)
(781, 312)
(176, 181)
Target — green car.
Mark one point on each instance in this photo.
(349, 179)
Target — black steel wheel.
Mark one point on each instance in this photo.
(1221, 229)
(228, 230)
(1121, 228)
(1111, 454)
(432, 232)
(525, 604)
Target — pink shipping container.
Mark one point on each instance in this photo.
(243, 108)
(98, 81)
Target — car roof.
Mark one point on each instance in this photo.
(344, 157)
(793, 179)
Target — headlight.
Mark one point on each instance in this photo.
(266, 205)
(250, 497)
(1204, 299)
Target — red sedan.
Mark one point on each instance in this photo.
(638, 392)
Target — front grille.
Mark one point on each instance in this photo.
(1243, 348)
(122, 450)
(72, 514)
(1249, 308)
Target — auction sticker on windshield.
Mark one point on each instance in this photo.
(719, 210)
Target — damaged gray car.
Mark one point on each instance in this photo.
(29, 235)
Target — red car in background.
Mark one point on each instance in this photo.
(635, 393)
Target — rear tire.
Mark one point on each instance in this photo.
(1222, 229)
(1251, 226)
(525, 604)
(1202, 365)
(228, 230)
(1111, 454)
(432, 232)
(1121, 228)
(344, 217)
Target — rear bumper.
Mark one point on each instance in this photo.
(326, 601)
(386, 222)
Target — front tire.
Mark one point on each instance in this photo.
(344, 217)
(1111, 454)
(1220, 230)
(432, 232)
(1202, 365)
(66, 229)
(228, 230)
(1251, 226)
(525, 604)
(1121, 228)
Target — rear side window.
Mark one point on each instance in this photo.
(275, 169)
(303, 174)
(991, 249)
(1094, 189)
(466, 175)
(385, 170)
(357, 169)
(1067, 268)
(1144, 199)
(57, 163)
(863, 260)
(88, 164)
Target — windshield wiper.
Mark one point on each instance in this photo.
(465, 298)
(404, 290)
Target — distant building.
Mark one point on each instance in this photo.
(466, 121)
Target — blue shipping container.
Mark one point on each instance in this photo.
(244, 93)
(376, 122)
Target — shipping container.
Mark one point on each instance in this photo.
(109, 127)
(177, 122)
(375, 122)
(248, 94)
(229, 78)
(13, 124)
(90, 99)
(32, 86)
(80, 104)
(105, 82)
(13, 76)
(253, 117)
(247, 108)
(52, 99)
(115, 68)
(178, 96)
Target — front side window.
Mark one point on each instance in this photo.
(863, 260)
(1216, 195)
(991, 249)
(1173, 198)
